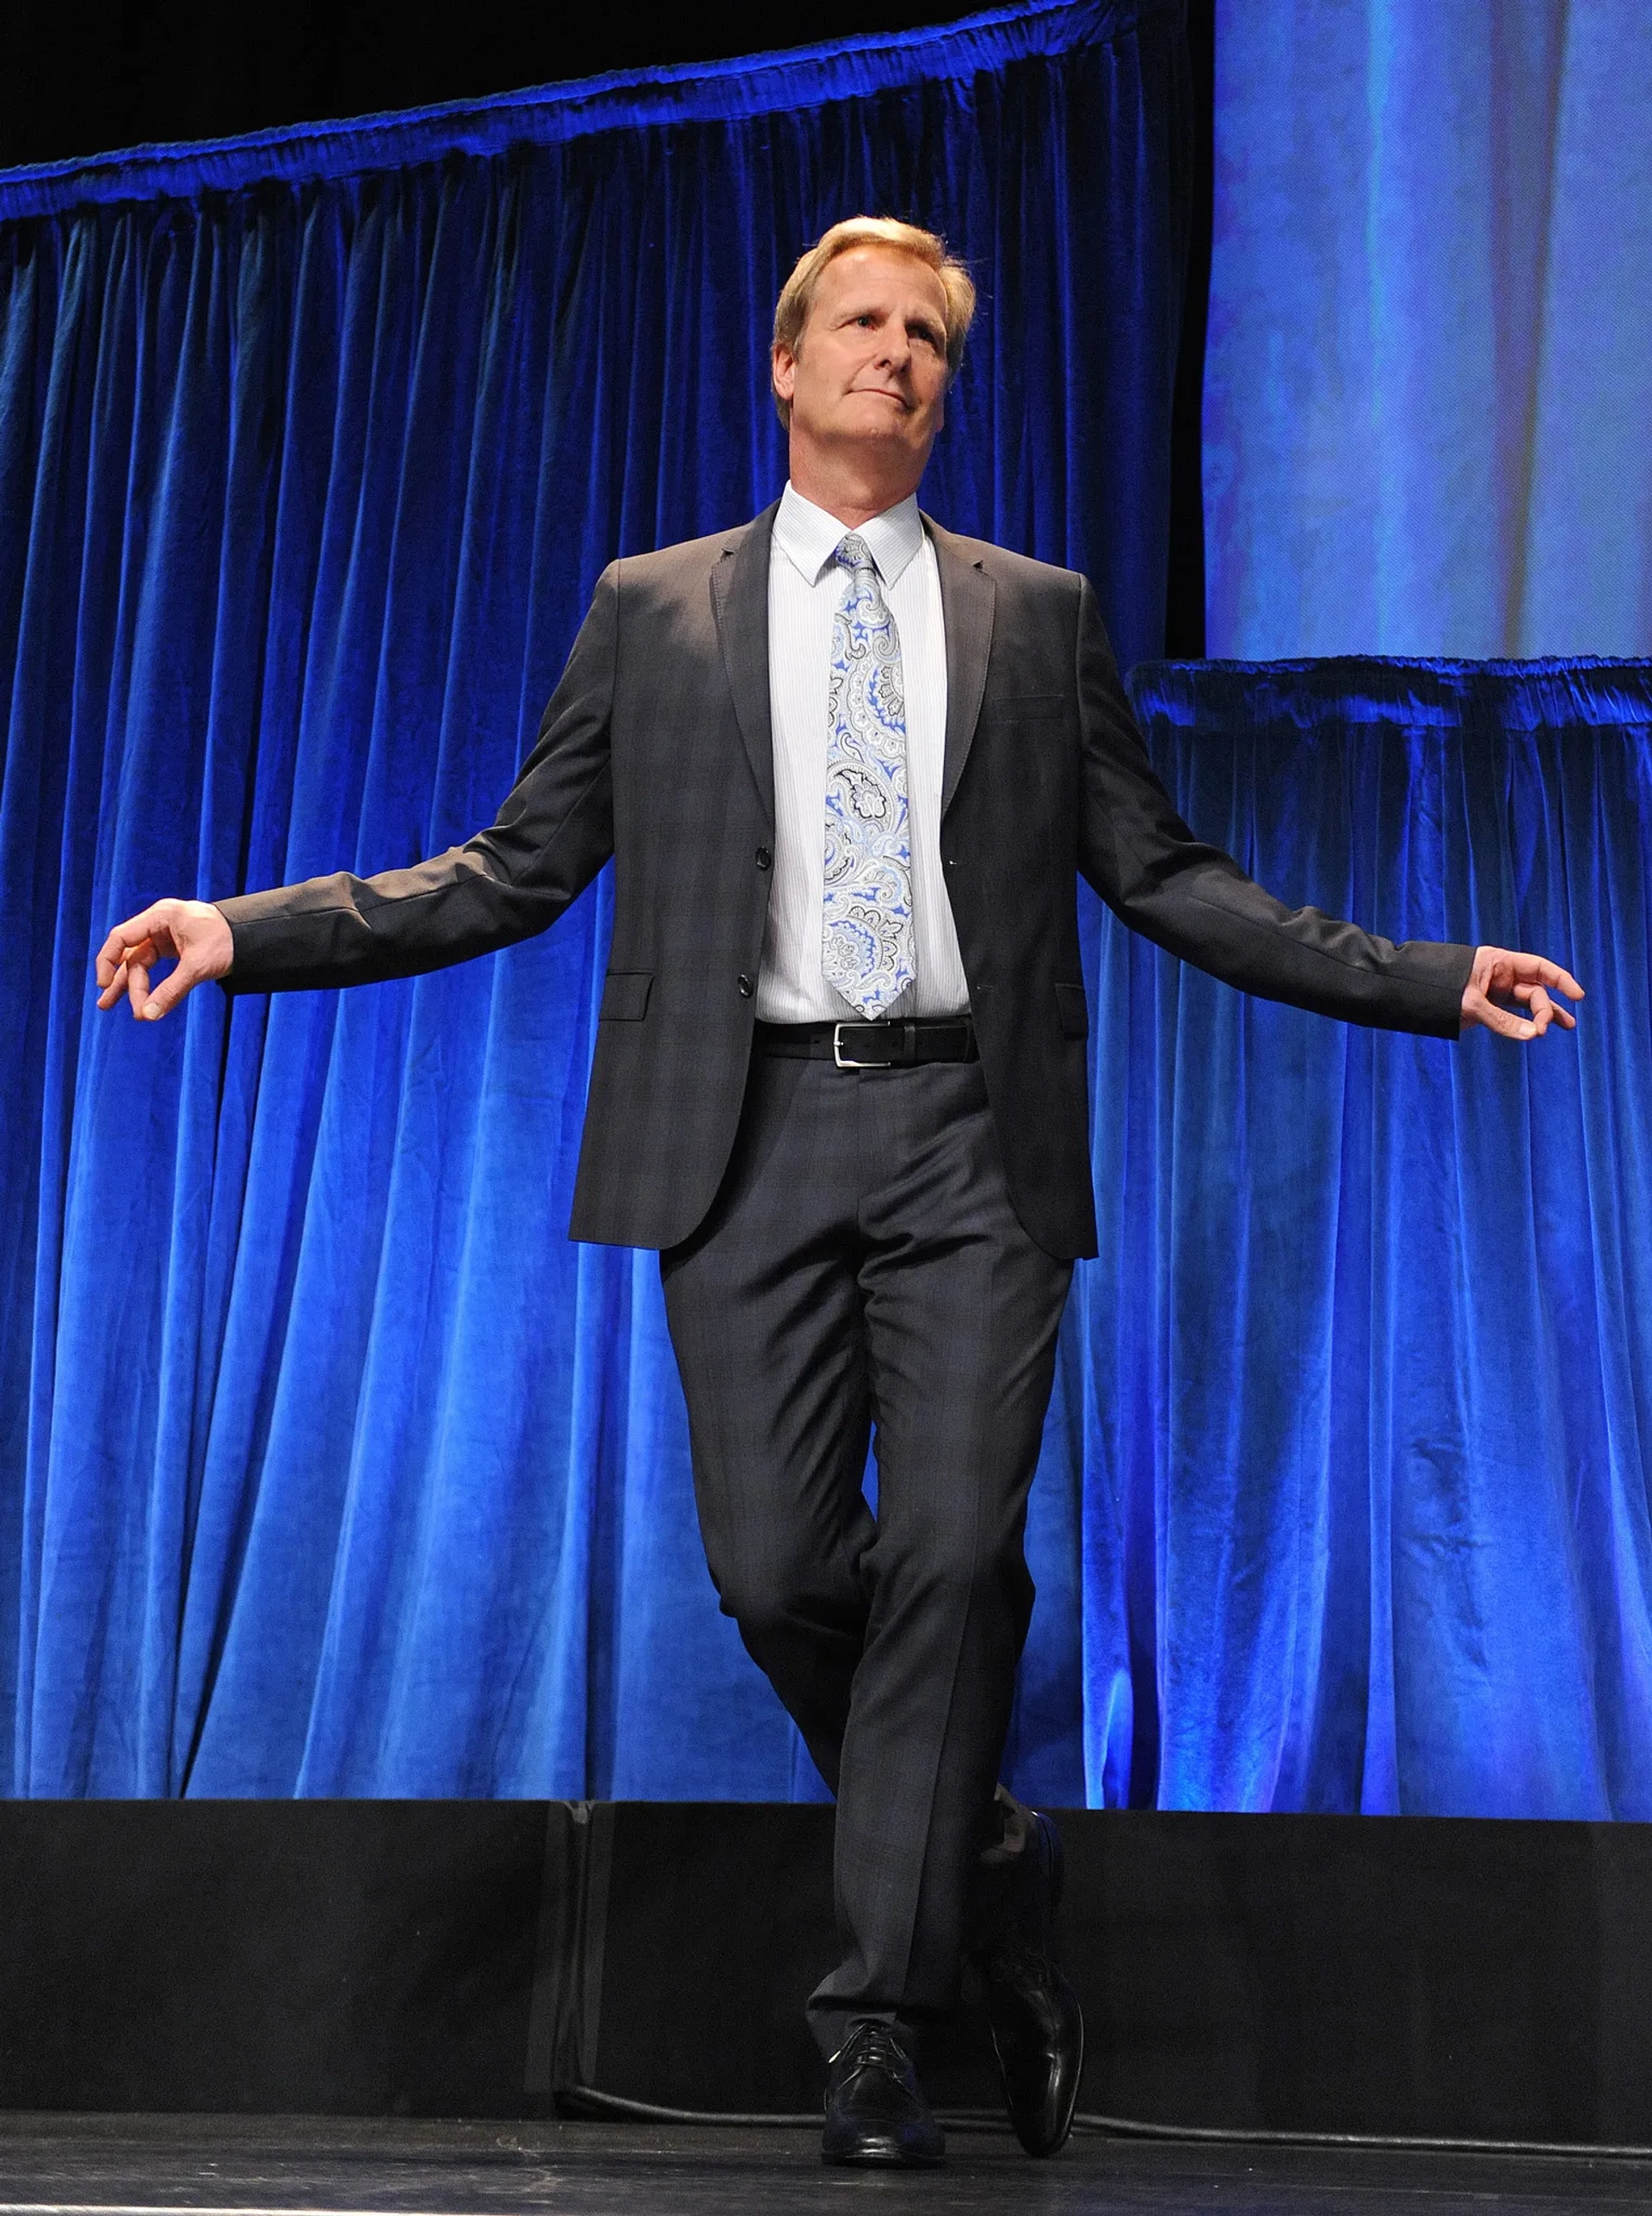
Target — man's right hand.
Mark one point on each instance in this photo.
(192, 933)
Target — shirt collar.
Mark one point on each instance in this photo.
(808, 537)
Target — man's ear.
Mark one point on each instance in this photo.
(783, 371)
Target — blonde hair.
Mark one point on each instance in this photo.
(797, 294)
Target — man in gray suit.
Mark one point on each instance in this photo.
(850, 766)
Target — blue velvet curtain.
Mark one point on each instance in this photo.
(1364, 1371)
(1429, 373)
(328, 1466)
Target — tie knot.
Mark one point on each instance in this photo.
(852, 553)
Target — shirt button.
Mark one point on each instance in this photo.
(746, 988)
(765, 858)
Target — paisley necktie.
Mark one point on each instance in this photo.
(867, 951)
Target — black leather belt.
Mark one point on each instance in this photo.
(874, 1045)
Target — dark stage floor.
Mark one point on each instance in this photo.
(124, 2165)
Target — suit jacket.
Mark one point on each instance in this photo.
(656, 748)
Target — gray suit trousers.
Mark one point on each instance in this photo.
(863, 1273)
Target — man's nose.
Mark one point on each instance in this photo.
(897, 349)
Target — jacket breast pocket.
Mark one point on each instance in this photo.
(1074, 1011)
(624, 996)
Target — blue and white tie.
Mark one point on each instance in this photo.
(867, 952)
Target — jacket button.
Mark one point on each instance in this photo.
(765, 858)
(746, 988)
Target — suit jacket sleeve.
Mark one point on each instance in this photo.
(1196, 901)
(553, 833)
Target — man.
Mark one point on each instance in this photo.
(849, 766)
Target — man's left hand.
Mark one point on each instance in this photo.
(1501, 975)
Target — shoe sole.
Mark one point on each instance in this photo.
(877, 2154)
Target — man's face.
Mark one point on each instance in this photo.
(871, 364)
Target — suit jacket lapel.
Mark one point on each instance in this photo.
(740, 604)
(967, 598)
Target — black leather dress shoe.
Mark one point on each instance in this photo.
(876, 2112)
(1038, 2026)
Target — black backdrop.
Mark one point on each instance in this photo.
(106, 73)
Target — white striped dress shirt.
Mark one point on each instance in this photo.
(805, 584)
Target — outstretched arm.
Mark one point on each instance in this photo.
(552, 835)
(1196, 902)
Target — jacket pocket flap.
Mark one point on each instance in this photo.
(624, 996)
(1020, 707)
(1074, 1011)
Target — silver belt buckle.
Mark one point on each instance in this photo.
(838, 1056)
